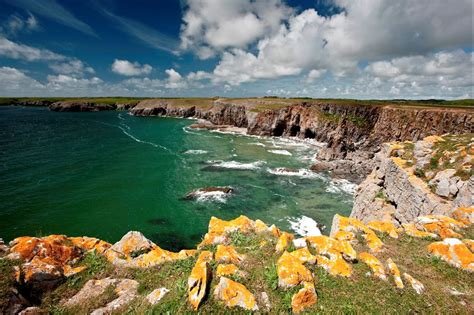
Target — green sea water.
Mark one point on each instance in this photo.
(106, 173)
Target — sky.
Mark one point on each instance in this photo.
(366, 49)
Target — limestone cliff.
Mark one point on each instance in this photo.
(430, 176)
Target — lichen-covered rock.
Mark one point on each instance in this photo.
(90, 243)
(344, 236)
(291, 271)
(90, 291)
(228, 255)
(410, 229)
(469, 243)
(225, 270)
(454, 252)
(235, 294)
(441, 225)
(415, 284)
(335, 264)
(304, 255)
(464, 214)
(374, 264)
(392, 267)
(324, 244)
(304, 298)
(384, 227)
(199, 279)
(284, 241)
(126, 291)
(156, 295)
(218, 229)
(374, 243)
(341, 223)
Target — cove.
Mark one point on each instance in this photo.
(103, 174)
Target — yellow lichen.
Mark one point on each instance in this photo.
(304, 298)
(374, 264)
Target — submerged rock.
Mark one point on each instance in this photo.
(235, 294)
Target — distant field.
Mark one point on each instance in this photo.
(258, 103)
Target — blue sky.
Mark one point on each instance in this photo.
(317, 48)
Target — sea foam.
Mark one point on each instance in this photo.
(304, 226)
(302, 173)
(236, 165)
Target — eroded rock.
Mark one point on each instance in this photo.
(374, 264)
(156, 295)
(126, 289)
(235, 294)
(291, 271)
(228, 255)
(454, 252)
(199, 279)
(415, 284)
(305, 298)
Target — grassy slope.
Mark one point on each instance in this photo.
(358, 294)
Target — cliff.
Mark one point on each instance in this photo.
(430, 176)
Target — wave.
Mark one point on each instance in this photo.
(195, 152)
(257, 144)
(144, 142)
(236, 165)
(341, 186)
(304, 226)
(303, 173)
(281, 152)
(188, 131)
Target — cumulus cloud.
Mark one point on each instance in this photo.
(127, 68)
(14, 81)
(175, 80)
(211, 25)
(74, 67)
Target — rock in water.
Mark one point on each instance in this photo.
(235, 294)
(199, 279)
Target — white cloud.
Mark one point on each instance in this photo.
(15, 82)
(17, 23)
(198, 75)
(19, 51)
(127, 68)
(66, 82)
(75, 67)
(314, 74)
(175, 80)
(212, 25)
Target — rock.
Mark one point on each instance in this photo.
(304, 255)
(440, 225)
(199, 279)
(384, 227)
(136, 251)
(228, 270)
(464, 215)
(469, 244)
(454, 252)
(443, 182)
(90, 291)
(392, 267)
(3, 248)
(374, 243)
(208, 191)
(291, 271)
(228, 255)
(156, 295)
(374, 264)
(410, 229)
(218, 229)
(235, 294)
(284, 241)
(265, 301)
(305, 298)
(335, 264)
(126, 290)
(80, 106)
(325, 245)
(415, 284)
(90, 243)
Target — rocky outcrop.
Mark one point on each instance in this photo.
(398, 187)
(80, 106)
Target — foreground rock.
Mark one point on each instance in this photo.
(199, 279)
(235, 294)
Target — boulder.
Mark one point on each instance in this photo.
(225, 270)
(454, 252)
(304, 298)
(335, 264)
(374, 264)
(90, 291)
(199, 279)
(445, 183)
(126, 290)
(325, 245)
(291, 271)
(156, 295)
(284, 241)
(228, 255)
(218, 229)
(235, 294)
(392, 267)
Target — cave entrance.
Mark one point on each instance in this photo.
(279, 129)
(294, 130)
(308, 133)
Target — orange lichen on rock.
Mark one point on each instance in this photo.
(304, 298)
(374, 264)
(469, 243)
(218, 229)
(464, 215)
(347, 224)
(323, 244)
(304, 255)
(235, 294)
(291, 271)
(228, 255)
(454, 252)
(415, 284)
(384, 227)
(261, 227)
(439, 224)
(90, 243)
(410, 229)
(344, 236)
(199, 279)
(392, 267)
(374, 243)
(284, 241)
(335, 264)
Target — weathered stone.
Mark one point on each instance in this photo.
(443, 182)
(374, 243)
(32, 310)
(469, 243)
(90, 243)
(291, 271)
(335, 264)
(218, 229)
(284, 241)
(235, 294)
(90, 291)
(374, 264)
(392, 267)
(304, 255)
(199, 279)
(304, 298)
(265, 301)
(415, 284)
(126, 290)
(228, 255)
(156, 295)
(454, 252)
(464, 215)
(440, 225)
(384, 227)
(410, 229)
(3, 248)
(324, 244)
(228, 270)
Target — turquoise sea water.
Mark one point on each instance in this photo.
(106, 173)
